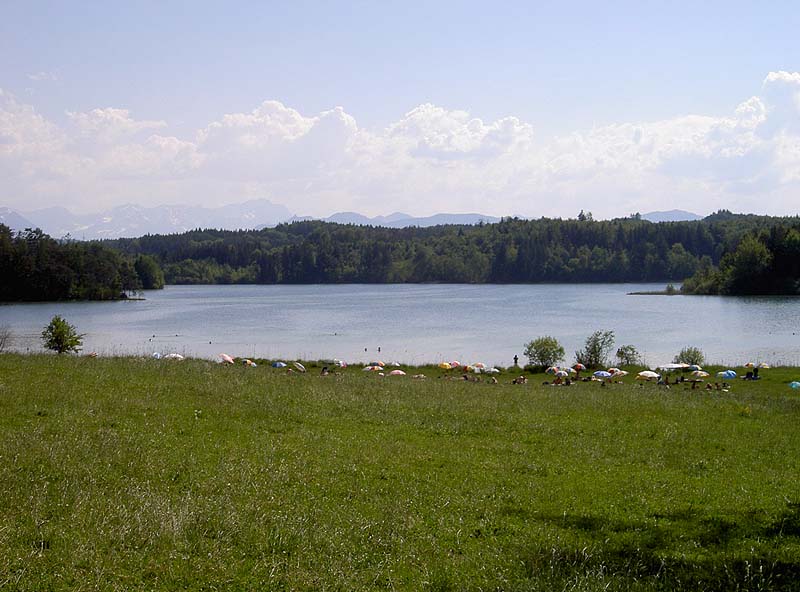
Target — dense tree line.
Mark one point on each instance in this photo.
(764, 261)
(513, 250)
(722, 254)
(35, 267)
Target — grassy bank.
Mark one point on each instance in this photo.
(142, 474)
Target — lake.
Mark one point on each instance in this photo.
(420, 323)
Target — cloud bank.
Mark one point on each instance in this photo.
(430, 160)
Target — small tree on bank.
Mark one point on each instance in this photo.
(691, 355)
(627, 355)
(544, 351)
(61, 337)
(596, 350)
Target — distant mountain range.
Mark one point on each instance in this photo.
(133, 221)
(671, 216)
(14, 220)
(400, 220)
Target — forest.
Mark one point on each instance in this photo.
(724, 253)
(764, 262)
(511, 251)
(35, 267)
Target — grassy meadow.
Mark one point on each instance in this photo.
(140, 474)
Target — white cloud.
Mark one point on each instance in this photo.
(42, 76)
(110, 124)
(433, 132)
(431, 159)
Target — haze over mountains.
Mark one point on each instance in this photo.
(671, 216)
(133, 220)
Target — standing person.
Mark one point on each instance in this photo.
(516, 360)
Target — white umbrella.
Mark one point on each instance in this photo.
(647, 375)
(671, 367)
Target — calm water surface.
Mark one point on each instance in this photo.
(420, 323)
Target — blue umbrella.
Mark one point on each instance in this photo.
(278, 365)
(602, 374)
(727, 374)
(794, 384)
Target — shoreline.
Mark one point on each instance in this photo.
(317, 364)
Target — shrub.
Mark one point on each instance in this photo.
(595, 352)
(628, 356)
(61, 337)
(5, 337)
(544, 351)
(691, 355)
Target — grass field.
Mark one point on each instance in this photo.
(137, 474)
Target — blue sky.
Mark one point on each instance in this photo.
(163, 74)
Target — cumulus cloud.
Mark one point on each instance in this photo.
(430, 159)
(42, 76)
(274, 144)
(433, 132)
(110, 124)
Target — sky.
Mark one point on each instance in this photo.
(504, 108)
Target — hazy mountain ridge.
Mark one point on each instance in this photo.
(401, 220)
(13, 219)
(132, 220)
(671, 216)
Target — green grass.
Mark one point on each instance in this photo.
(136, 474)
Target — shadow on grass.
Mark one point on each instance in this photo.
(683, 550)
